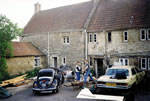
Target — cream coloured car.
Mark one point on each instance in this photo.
(120, 77)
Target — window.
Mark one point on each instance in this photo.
(90, 37)
(148, 34)
(64, 60)
(109, 36)
(91, 63)
(95, 39)
(125, 36)
(66, 40)
(143, 34)
(143, 63)
(124, 61)
(148, 63)
(37, 61)
(133, 71)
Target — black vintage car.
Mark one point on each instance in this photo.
(48, 80)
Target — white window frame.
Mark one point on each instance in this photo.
(148, 63)
(90, 38)
(148, 34)
(141, 34)
(145, 63)
(37, 61)
(125, 36)
(95, 38)
(64, 62)
(123, 61)
(66, 40)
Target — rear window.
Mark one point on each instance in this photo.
(42, 74)
(115, 71)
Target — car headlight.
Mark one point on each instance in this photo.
(34, 85)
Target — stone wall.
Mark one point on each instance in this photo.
(134, 44)
(134, 49)
(73, 52)
(18, 65)
(97, 48)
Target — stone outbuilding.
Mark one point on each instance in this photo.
(25, 58)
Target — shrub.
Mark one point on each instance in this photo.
(32, 73)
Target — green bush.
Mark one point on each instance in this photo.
(32, 73)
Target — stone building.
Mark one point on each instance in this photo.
(25, 58)
(107, 32)
(59, 33)
(119, 32)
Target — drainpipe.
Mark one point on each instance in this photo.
(48, 51)
(86, 44)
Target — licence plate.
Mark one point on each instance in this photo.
(111, 84)
(43, 85)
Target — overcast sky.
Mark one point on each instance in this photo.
(20, 11)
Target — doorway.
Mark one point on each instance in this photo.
(99, 67)
(55, 61)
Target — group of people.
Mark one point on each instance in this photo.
(85, 71)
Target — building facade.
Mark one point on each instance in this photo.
(106, 32)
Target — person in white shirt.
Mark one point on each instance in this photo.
(78, 70)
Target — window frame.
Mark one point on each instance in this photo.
(148, 63)
(37, 61)
(64, 62)
(66, 40)
(145, 63)
(124, 36)
(95, 37)
(123, 63)
(90, 38)
(141, 34)
(148, 34)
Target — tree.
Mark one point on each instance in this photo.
(8, 31)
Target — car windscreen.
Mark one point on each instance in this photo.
(42, 74)
(115, 71)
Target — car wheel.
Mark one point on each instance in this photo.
(35, 92)
(57, 87)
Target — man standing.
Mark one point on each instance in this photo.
(87, 72)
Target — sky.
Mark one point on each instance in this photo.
(21, 11)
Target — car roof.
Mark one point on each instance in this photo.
(122, 67)
(49, 69)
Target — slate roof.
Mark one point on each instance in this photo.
(25, 49)
(72, 17)
(120, 14)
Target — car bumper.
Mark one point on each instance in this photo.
(44, 90)
(113, 87)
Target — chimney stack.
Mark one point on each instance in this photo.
(37, 7)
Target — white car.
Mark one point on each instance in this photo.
(120, 77)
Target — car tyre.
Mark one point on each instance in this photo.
(35, 92)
